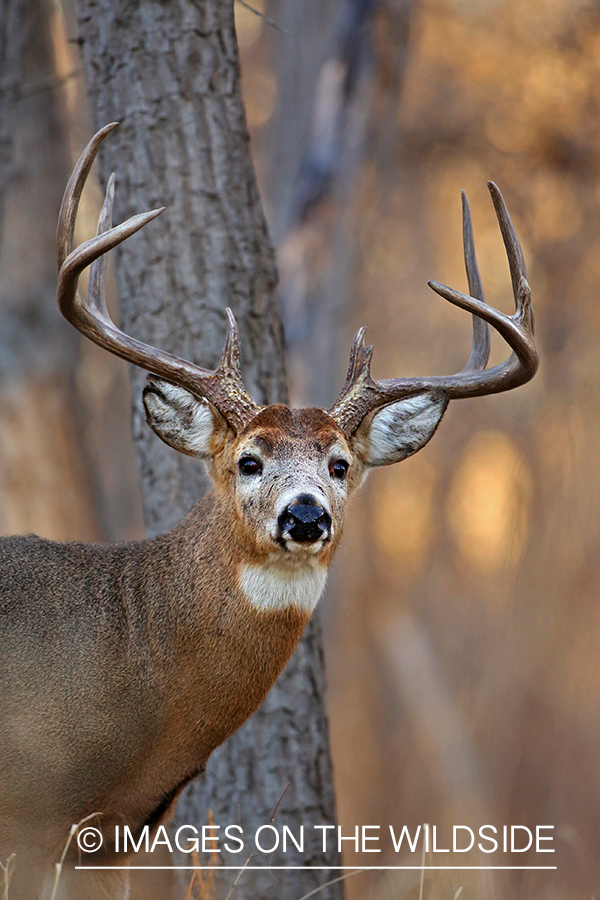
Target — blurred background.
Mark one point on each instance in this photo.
(462, 622)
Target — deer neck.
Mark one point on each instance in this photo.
(237, 623)
(225, 570)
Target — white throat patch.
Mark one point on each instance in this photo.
(271, 588)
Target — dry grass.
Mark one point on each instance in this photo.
(202, 882)
(6, 869)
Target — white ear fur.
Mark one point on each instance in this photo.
(183, 421)
(402, 428)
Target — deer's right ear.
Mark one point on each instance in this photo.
(187, 423)
(400, 429)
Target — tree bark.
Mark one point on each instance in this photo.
(13, 18)
(319, 129)
(170, 74)
(40, 445)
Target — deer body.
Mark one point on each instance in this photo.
(174, 641)
(122, 667)
(169, 666)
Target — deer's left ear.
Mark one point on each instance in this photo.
(402, 428)
(185, 422)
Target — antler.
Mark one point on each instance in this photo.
(223, 386)
(361, 394)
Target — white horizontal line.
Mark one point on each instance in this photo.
(328, 868)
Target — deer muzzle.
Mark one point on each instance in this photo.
(304, 521)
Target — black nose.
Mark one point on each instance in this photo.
(305, 521)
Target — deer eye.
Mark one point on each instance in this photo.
(338, 469)
(248, 465)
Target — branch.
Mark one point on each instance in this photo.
(261, 15)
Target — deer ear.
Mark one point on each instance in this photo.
(187, 423)
(402, 428)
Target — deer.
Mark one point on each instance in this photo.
(124, 665)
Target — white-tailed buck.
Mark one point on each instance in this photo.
(123, 666)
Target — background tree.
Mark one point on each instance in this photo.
(39, 446)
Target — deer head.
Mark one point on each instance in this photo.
(287, 474)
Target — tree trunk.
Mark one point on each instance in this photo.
(40, 445)
(13, 17)
(170, 74)
(319, 132)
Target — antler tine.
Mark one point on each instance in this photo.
(362, 395)
(97, 276)
(509, 236)
(70, 202)
(480, 352)
(360, 359)
(516, 262)
(223, 387)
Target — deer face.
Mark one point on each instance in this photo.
(290, 480)
(290, 472)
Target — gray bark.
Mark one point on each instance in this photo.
(170, 74)
(319, 128)
(33, 164)
(40, 445)
(13, 16)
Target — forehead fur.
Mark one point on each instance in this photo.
(279, 421)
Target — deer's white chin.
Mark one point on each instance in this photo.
(272, 587)
(289, 548)
(302, 549)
